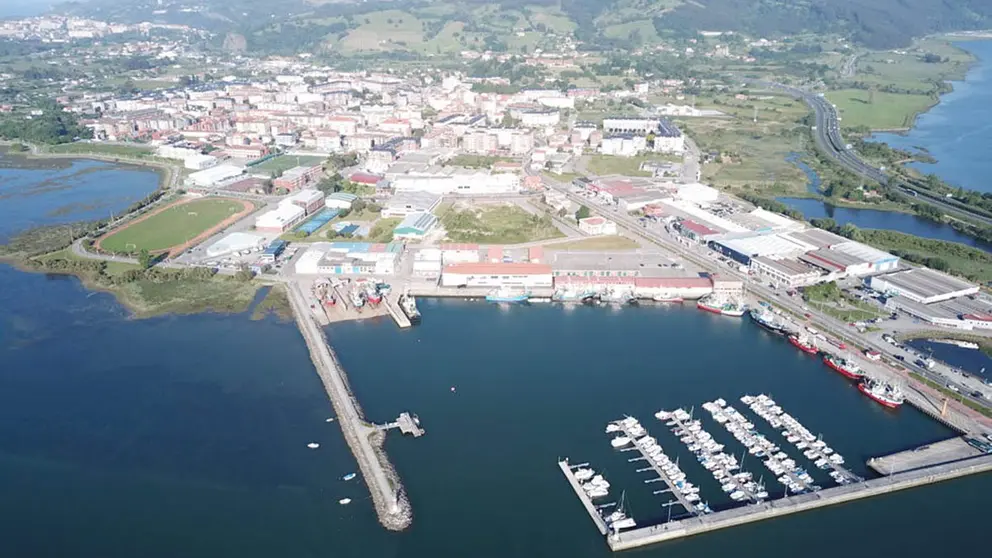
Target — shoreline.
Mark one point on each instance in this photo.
(168, 173)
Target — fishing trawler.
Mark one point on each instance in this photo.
(881, 392)
(846, 367)
(721, 305)
(503, 294)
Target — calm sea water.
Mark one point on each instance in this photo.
(186, 436)
(54, 191)
(972, 361)
(958, 131)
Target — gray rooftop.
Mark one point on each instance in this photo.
(647, 264)
(818, 237)
(927, 283)
(787, 266)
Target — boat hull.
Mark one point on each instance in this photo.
(810, 350)
(887, 403)
(846, 373)
(513, 299)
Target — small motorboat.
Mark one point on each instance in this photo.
(313, 445)
(344, 501)
(349, 476)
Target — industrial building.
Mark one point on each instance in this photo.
(281, 219)
(668, 138)
(922, 285)
(340, 200)
(409, 202)
(427, 263)
(415, 226)
(460, 253)
(451, 180)
(525, 275)
(272, 251)
(965, 313)
(213, 175)
(349, 258)
(234, 243)
(784, 272)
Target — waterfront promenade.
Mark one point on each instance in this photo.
(364, 439)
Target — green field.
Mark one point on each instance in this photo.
(505, 224)
(283, 163)
(886, 111)
(172, 227)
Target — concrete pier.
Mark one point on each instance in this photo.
(583, 497)
(407, 425)
(400, 317)
(793, 504)
(937, 453)
(364, 439)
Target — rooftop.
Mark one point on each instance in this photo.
(927, 283)
(498, 269)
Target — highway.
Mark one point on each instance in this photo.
(830, 142)
(703, 258)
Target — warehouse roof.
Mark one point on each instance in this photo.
(865, 252)
(786, 266)
(818, 238)
(830, 259)
(498, 269)
(420, 222)
(764, 245)
(927, 283)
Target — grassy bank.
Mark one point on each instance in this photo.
(879, 110)
(276, 302)
(595, 243)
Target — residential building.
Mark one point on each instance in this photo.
(298, 177)
(309, 199)
(281, 219)
(597, 226)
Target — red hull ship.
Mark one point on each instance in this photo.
(805, 346)
(845, 368)
(883, 394)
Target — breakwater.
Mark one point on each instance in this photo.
(364, 440)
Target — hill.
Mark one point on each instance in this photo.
(448, 25)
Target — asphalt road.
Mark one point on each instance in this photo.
(829, 140)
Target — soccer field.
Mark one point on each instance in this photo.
(173, 226)
(283, 163)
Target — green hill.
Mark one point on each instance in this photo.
(436, 26)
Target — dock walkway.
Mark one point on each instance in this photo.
(793, 504)
(583, 497)
(390, 503)
(687, 505)
(729, 478)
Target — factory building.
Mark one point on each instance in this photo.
(415, 226)
(922, 285)
(744, 249)
(427, 263)
(525, 275)
(593, 264)
(597, 226)
(349, 258)
(234, 243)
(213, 175)
(460, 253)
(784, 272)
(409, 202)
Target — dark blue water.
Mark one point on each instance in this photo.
(972, 361)
(958, 131)
(51, 191)
(812, 178)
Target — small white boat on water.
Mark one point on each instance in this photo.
(313, 445)
(583, 474)
(613, 427)
(344, 501)
(619, 441)
(349, 476)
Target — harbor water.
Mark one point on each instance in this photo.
(958, 130)
(970, 361)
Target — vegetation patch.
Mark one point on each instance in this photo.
(958, 259)
(603, 165)
(276, 302)
(382, 230)
(174, 225)
(275, 166)
(504, 224)
(879, 110)
(829, 299)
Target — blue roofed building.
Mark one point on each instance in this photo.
(415, 226)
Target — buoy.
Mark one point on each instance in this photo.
(452, 389)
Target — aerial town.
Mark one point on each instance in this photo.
(364, 192)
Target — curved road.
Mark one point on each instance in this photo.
(830, 142)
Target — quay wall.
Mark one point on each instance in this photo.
(391, 504)
(793, 504)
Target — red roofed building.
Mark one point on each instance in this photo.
(521, 275)
(366, 178)
(695, 231)
(494, 254)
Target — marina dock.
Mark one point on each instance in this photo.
(938, 453)
(407, 425)
(390, 502)
(793, 504)
(393, 307)
(672, 489)
(583, 497)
